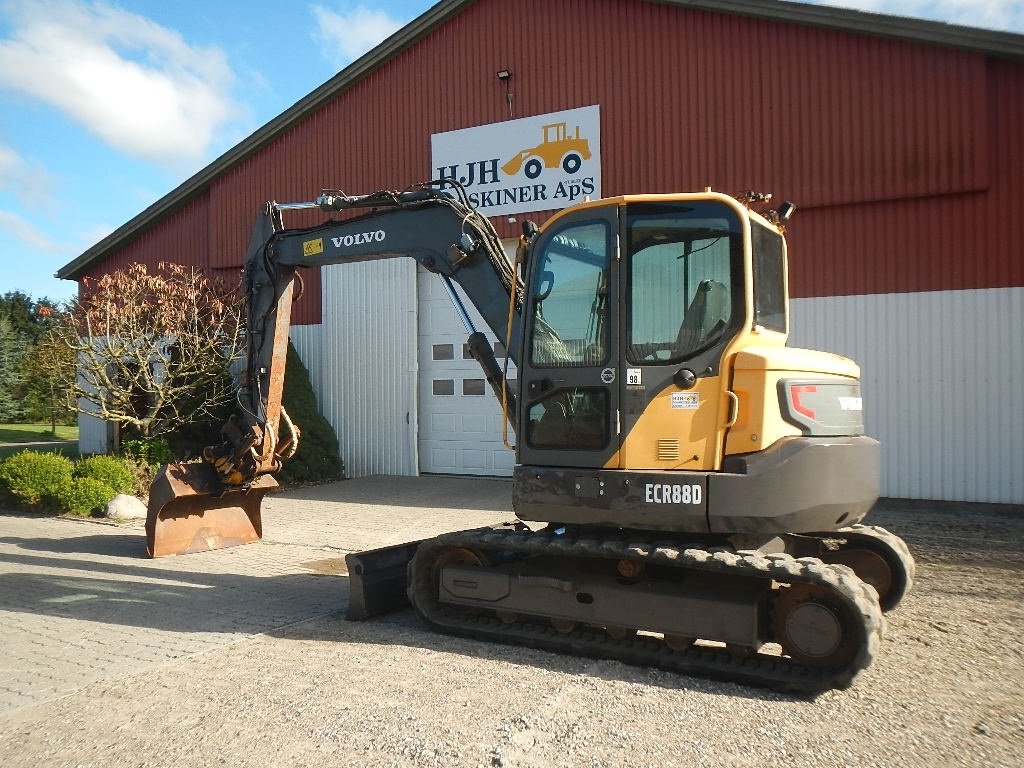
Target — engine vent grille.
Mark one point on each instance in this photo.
(668, 449)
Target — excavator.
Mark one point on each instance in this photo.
(689, 490)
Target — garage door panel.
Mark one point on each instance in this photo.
(474, 459)
(442, 460)
(441, 316)
(474, 425)
(459, 432)
(444, 424)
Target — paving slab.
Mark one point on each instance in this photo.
(81, 602)
(242, 657)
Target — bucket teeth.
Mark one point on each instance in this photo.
(191, 511)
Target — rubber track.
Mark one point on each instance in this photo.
(890, 541)
(759, 669)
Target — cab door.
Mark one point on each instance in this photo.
(682, 268)
(569, 388)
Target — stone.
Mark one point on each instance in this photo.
(125, 507)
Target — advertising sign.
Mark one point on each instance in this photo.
(538, 163)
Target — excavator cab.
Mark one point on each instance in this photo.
(655, 369)
(625, 295)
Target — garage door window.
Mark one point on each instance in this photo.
(472, 386)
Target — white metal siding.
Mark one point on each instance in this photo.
(362, 364)
(943, 384)
(92, 434)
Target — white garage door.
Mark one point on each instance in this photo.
(460, 418)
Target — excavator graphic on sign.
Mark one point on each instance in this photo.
(558, 148)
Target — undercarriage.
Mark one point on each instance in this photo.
(695, 605)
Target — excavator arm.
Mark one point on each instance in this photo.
(193, 508)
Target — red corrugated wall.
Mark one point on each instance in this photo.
(905, 159)
(181, 238)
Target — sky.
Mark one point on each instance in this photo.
(108, 105)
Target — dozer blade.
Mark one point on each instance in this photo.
(377, 580)
(191, 511)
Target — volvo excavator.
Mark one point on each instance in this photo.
(689, 490)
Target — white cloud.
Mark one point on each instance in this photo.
(1007, 15)
(136, 85)
(25, 232)
(93, 235)
(348, 33)
(29, 182)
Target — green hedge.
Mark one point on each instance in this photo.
(46, 482)
(317, 459)
(110, 470)
(85, 496)
(33, 479)
(147, 450)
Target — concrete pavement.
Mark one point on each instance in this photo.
(81, 603)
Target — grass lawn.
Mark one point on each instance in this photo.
(33, 433)
(66, 441)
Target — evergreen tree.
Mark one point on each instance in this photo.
(12, 353)
(47, 366)
(29, 318)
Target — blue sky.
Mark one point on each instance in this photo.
(107, 106)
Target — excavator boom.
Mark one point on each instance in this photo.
(216, 503)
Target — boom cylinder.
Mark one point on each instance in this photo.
(482, 351)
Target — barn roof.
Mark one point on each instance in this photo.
(988, 42)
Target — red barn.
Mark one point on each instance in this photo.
(900, 140)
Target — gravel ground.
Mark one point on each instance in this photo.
(945, 691)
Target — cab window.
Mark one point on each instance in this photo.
(685, 279)
(570, 299)
(769, 261)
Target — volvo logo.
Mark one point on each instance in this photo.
(360, 238)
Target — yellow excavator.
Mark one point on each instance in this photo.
(689, 489)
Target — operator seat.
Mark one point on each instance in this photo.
(706, 316)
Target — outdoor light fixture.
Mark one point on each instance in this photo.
(785, 211)
(505, 75)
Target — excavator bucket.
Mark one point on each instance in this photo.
(191, 511)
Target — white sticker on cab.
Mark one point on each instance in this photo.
(686, 401)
